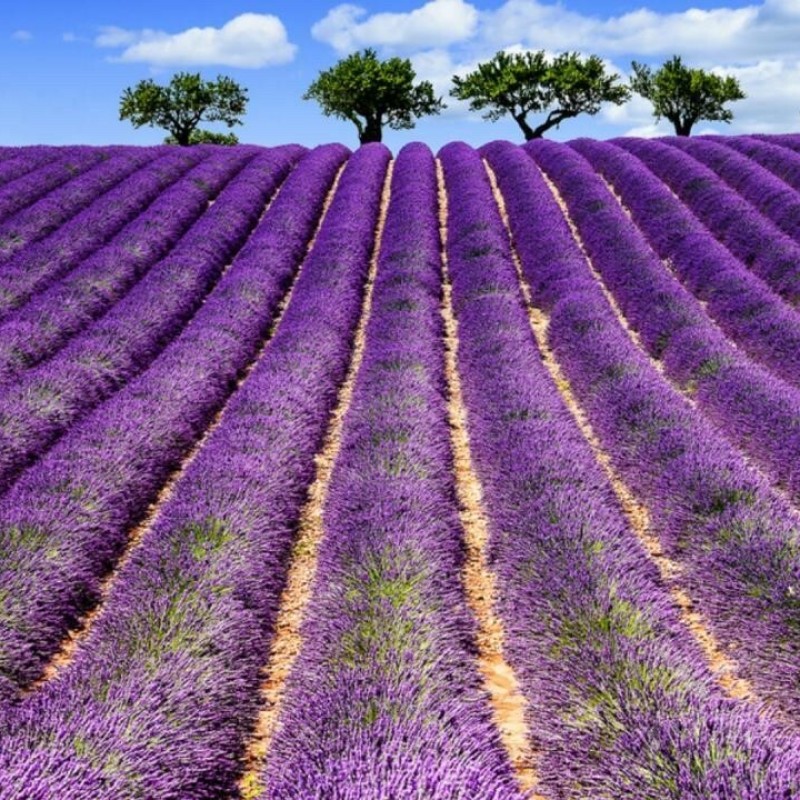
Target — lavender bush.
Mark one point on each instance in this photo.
(49, 398)
(735, 541)
(756, 241)
(743, 306)
(755, 410)
(46, 176)
(160, 699)
(43, 324)
(385, 698)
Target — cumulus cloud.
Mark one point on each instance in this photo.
(249, 40)
(436, 24)
(22, 36)
(757, 43)
(756, 31)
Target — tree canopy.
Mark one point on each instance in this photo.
(180, 106)
(519, 84)
(684, 95)
(372, 93)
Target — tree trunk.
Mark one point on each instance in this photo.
(529, 132)
(183, 136)
(373, 132)
(683, 127)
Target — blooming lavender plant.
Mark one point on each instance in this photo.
(757, 242)
(36, 265)
(50, 212)
(734, 540)
(18, 161)
(778, 160)
(160, 699)
(104, 473)
(764, 191)
(590, 628)
(39, 327)
(118, 346)
(755, 410)
(47, 176)
(743, 306)
(385, 698)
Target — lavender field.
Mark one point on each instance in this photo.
(328, 475)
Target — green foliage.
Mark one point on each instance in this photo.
(200, 136)
(684, 95)
(183, 104)
(519, 84)
(373, 93)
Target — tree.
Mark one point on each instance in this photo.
(183, 104)
(200, 136)
(373, 93)
(519, 84)
(684, 95)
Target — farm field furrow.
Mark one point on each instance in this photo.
(591, 630)
(56, 210)
(40, 407)
(768, 194)
(208, 576)
(757, 241)
(37, 265)
(329, 475)
(735, 540)
(744, 307)
(17, 162)
(755, 410)
(46, 177)
(778, 160)
(150, 424)
(37, 328)
(385, 697)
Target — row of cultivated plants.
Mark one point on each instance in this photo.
(621, 699)
(121, 354)
(733, 536)
(374, 94)
(184, 632)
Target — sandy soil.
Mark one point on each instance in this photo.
(297, 594)
(637, 514)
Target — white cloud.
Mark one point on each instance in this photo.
(249, 40)
(705, 36)
(756, 43)
(22, 36)
(436, 24)
(112, 36)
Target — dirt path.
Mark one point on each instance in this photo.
(638, 516)
(507, 701)
(296, 596)
(75, 637)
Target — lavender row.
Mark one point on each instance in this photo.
(769, 154)
(744, 307)
(20, 161)
(385, 699)
(737, 544)
(80, 500)
(590, 628)
(60, 205)
(49, 398)
(162, 697)
(767, 193)
(757, 242)
(755, 410)
(38, 265)
(29, 187)
(42, 325)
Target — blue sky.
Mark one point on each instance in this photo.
(63, 65)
